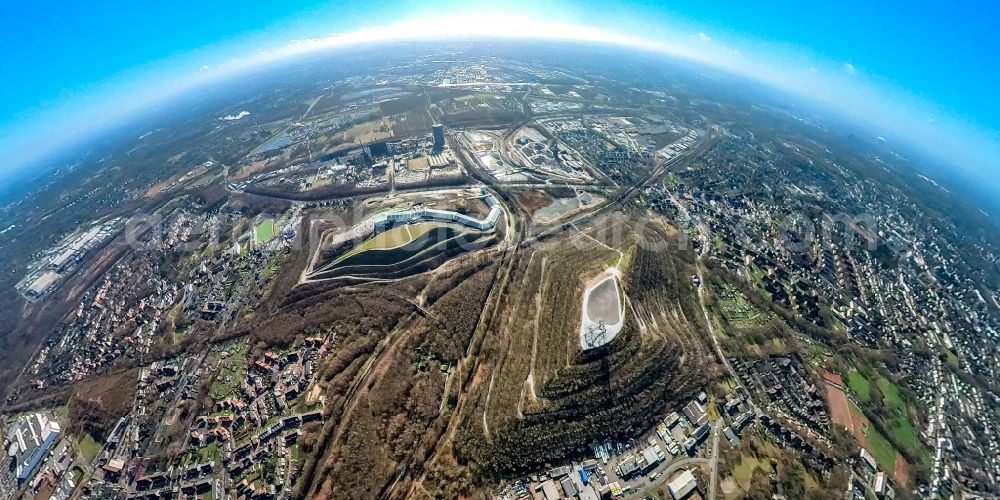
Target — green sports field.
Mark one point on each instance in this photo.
(860, 385)
(264, 231)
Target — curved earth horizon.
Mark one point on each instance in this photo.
(553, 263)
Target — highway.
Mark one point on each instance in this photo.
(621, 198)
(514, 234)
(516, 240)
(625, 195)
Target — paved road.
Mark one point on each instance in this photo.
(624, 196)
(705, 238)
(666, 472)
(672, 467)
(361, 382)
(513, 237)
(713, 465)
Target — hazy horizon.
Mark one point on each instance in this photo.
(152, 72)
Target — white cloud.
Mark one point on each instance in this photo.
(851, 70)
(703, 37)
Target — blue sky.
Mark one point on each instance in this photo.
(77, 62)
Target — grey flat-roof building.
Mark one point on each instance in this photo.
(683, 485)
(568, 487)
(695, 413)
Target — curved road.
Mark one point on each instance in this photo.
(666, 473)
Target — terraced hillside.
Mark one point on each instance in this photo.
(534, 397)
(476, 372)
(393, 393)
(424, 252)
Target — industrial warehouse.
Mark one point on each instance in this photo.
(28, 442)
(46, 273)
